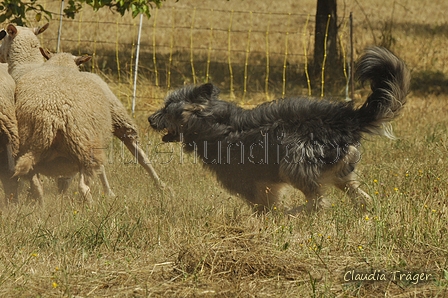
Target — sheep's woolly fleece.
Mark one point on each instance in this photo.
(8, 122)
(20, 49)
(9, 135)
(27, 56)
(124, 127)
(63, 125)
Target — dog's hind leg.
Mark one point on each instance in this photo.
(315, 200)
(345, 179)
(312, 182)
(266, 196)
(351, 186)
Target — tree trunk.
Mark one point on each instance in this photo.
(325, 54)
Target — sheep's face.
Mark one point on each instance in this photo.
(20, 43)
(3, 34)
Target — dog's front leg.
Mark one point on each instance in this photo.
(315, 201)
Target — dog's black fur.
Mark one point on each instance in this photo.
(306, 143)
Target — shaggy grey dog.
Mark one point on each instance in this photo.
(309, 144)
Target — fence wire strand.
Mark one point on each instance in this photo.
(240, 51)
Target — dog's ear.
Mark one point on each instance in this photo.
(206, 91)
(193, 109)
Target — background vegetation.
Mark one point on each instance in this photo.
(201, 241)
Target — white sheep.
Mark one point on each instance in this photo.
(124, 127)
(23, 41)
(70, 61)
(64, 125)
(20, 49)
(9, 136)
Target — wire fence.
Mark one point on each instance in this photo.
(240, 51)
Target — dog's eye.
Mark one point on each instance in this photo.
(165, 110)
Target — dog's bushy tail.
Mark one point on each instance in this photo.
(389, 80)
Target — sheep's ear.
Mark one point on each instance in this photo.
(82, 59)
(2, 34)
(11, 30)
(39, 30)
(46, 53)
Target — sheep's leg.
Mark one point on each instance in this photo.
(142, 160)
(10, 184)
(10, 158)
(84, 188)
(64, 184)
(37, 190)
(102, 175)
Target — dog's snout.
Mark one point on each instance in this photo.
(152, 122)
(156, 121)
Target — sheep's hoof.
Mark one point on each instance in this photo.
(88, 198)
(110, 194)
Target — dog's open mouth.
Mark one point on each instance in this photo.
(170, 136)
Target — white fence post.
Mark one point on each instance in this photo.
(136, 63)
(60, 27)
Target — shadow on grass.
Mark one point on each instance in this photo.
(429, 81)
(419, 29)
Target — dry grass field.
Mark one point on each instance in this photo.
(198, 241)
